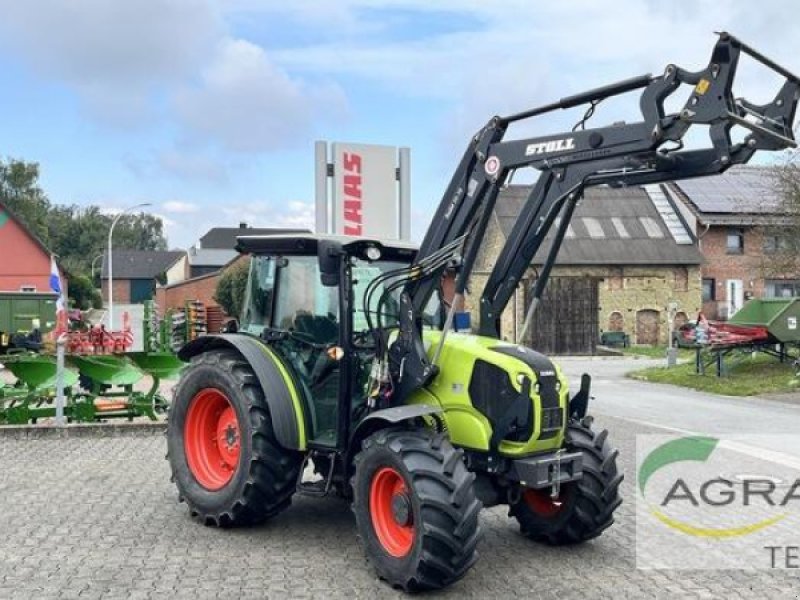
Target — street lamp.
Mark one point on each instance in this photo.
(111, 263)
(94, 262)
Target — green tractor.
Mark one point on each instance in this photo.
(345, 374)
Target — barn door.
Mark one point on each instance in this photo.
(566, 321)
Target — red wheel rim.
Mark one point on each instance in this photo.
(211, 439)
(542, 503)
(390, 508)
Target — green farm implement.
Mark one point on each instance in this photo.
(31, 396)
(96, 387)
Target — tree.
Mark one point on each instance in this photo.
(82, 292)
(20, 192)
(76, 234)
(781, 257)
(231, 287)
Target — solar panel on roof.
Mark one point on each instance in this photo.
(738, 190)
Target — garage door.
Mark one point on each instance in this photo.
(141, 290)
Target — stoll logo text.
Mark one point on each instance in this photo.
(715, 502)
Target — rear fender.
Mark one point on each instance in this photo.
(282, 398)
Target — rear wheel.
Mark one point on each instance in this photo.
(225, 459)
(583, 509)
(415, 508)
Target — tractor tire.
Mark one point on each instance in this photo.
(225, 459)
(415, 508)
(584, 508)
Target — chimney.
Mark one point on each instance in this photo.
(242, 225)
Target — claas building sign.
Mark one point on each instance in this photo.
(363, 190)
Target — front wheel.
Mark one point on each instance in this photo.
(415, 508)
(584, 508)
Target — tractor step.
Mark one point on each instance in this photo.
(316, 487)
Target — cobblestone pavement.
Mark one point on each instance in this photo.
(98, 517)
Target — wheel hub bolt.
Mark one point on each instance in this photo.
(401, 509)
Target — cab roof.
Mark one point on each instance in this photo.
(307, 243)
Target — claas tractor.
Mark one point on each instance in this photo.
(345, 374)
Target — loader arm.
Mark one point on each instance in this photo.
(647, 151)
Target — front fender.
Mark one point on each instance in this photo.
(387, 417)
(283, 400)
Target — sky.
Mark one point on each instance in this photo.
(209, 110)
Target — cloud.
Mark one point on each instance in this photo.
(186, 164)
(293, 214)
(246, 103)
(114, 54)
(300, 215)
(529, 53)
(181, 162)
(180, 207)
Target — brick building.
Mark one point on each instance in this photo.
(135, 273)
(744, 236)
(217, 247)
(203, 287)
(29, 271)
(632, 242)
(196, 288)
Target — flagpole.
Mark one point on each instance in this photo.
(61, 342)
(61, 338)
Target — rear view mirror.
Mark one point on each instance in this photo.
(329, 254)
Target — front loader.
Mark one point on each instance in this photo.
(344, 375)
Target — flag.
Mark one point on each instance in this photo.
(55, 285)
(55, 278)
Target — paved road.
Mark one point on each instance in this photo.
(91, 518)
(98, 517)
(678, 409)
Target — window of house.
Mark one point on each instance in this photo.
(570, 232)
(620, 227)
(735, 242)
(651, 227)
(709, 290)
(593, 227)
(781, 288)
(27, 288)
(774, 243)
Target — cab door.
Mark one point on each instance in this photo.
(310, 312)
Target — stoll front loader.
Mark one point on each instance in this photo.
(345, 375)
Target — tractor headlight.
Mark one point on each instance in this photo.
(373, 253)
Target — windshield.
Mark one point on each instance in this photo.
(385, 293)
(364, 273)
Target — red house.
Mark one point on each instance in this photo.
(24, 259)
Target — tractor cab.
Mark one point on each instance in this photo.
(305, 298)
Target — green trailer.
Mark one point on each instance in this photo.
(780, 316)
(19, 311)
